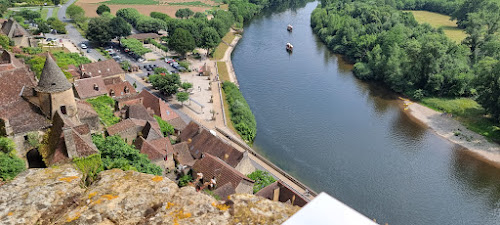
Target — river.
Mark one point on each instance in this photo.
(352, 139)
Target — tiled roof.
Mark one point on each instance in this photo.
(83, 145)
(104, 68)
(163, 143)
(143, 36)
(285, 194)
(153, 152)
(160, 107)
(212, 166)
(121, 126)
(121, 89)
(152, 131)
(139, 112)
(90, 87)
(24, 116)
(52, 78)
(85, 110)
(182, 154)
(178, 123)
(12, 28)
(224, 191)
(112, 80)
(202, 141)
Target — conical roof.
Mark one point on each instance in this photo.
(52, 78)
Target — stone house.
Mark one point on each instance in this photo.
(12, 29)
(213, 167)
(106, 69)
(90, 87)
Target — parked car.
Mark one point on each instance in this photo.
(149, 69)
(140, 60)
(83, 46)
(88, 50)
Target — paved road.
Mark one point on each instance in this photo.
(73, 33)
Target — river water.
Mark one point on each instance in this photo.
(352, 139)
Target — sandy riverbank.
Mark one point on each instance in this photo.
(455, 132)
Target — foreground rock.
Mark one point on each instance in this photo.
(54, 196)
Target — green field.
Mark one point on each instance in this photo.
(196, 3)
(54, 13)
(44, 12)
(131, 2)
(439, 20)
(469, 113)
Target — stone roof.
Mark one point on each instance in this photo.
(12, 29)
(112, 80)
(52, 78)
(24, 117)
(90, 87)
(104, 68)
(152, 131)
(85, 110)
(212, 166)
(182, 154)
(121, 126)
(285, 194)
(178, 123)
(143, 36)
(201, 141)
(122, 89)
(160, 107)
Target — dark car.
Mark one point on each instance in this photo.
(149, 69)
(145, 66)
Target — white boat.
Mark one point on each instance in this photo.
(289, 28)
(289, 47)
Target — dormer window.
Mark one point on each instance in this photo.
(127, 90)
(111, 92)
(96, 87)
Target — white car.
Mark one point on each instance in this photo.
(83, 46)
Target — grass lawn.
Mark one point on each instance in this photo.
(469, 113)
(220, 51)
(44, 12)
(131, 2)
(223, 74)
(229, 37)
(439, 20)
(196, 3)
(54, 13)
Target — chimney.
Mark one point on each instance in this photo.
(96, 87)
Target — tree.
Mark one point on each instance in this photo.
(99, 30)
(125, 65)
(150, 25)
(209, 38)
(165, 127)
(182, 97)
(134, 45)
(7, 145)
(43, 27)
(168, 84)
(182, 42)
(200, 15)
(74, 10)
(261, 178)
(488, 85)
(116, 153)
(184, 13)
(10, 166)
(129, 14)
(30, 15)
(4, 41)
(186, 85)
(102, 8)
(119, 27)
(56, 2)
(57, 25)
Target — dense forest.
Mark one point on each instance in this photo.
(389, 46)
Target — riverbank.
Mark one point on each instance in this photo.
(452, 130)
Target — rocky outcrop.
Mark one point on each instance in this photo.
(55, 196)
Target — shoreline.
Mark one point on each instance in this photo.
(456, 133)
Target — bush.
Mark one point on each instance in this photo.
(10, 166)
(104, 106)
(90, 166)
(134, 45)
(241, 115)
(165, 127)
(7, 145)
(158, 45)
(116, 153)
(262, 179)
(184, 180)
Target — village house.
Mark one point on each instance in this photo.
(27, 106)
(214, 167)
(90, 87)
(161, 109)
(279, 191)
(201, 141)
(183, 158)
(120, 89)
(106, 69)
(12, 29)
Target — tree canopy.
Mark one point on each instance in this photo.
(102, 8)
(184, 13)
(182, 42)
(209, 38)
(168, 84)
(134, 45)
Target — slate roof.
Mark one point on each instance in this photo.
(212, 166)
(83, 144)
(153, 152)
(52, 78)
(90, 87)
(12, 29)
(182, 154)
(104, 68)
(202, 141)
(138, 111)
(286, 193)
(118, 90)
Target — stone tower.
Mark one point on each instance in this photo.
(54, 92)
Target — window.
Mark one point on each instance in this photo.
(96, 87)
(63, 110)
(127, 90)
(111, 92)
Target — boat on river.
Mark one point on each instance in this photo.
(289, 47)
(289, 28)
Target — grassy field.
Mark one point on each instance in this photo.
(196, 3)
(469, 113)
(44, 12)
(439, 20)
(223, 73)
(54, 13)
(131, 2)
(229, 37)
(219, 51)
